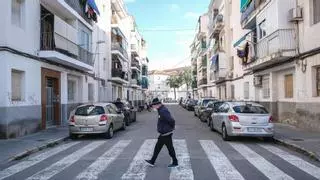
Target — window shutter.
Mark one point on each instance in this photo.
(289, 86)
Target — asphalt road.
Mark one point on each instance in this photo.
(202, 154)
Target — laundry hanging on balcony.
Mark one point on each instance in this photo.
(247, 53)
(91, 10)
(214, 62)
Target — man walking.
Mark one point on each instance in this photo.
(166, 125)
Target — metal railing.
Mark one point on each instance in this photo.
(75, 4)
(215, 23)
(118, 47)
(55, 42)
(119, 73)
(135, 64)
(280, 41)
(202, 81)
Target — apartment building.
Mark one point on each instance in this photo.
(270, 56)
(57, 54)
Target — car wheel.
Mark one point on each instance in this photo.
(73, 136)
(211, 126)
(195, 113)
(225, 135)
(109, 133)
(124, 127)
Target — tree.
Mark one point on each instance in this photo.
(174, 82)
(187, 77)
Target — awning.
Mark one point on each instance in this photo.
(93, 5)
(242, 39)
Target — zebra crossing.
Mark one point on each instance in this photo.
(136, 169)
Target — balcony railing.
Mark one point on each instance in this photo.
(118, 73)
(134, 47)
(216, 24)
(202, 81)
(276, 43)
(144, 83)
(55, 42)
(75, 4)
(135, 64)
(118, 47)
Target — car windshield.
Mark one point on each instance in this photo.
(250, 109)
(89, 110)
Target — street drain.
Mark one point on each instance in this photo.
(295, 139)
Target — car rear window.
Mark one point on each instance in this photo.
(89, 110)
(206, 101)
(250, 109)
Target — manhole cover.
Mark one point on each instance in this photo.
(295, 139)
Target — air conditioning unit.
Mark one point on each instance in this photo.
(295, 14)
(257, 81)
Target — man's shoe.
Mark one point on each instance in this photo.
(149, 163)
(173, 165)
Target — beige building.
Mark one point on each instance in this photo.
(270, 56)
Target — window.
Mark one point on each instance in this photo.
(288, 86)
(316, 11)
(250, 109)
(232, 63)
(84, 40)
(246, 90)
(232, 92)
(71, 90)
(262, 30)
(17, 84)
(17, 8)
(265, 86)
(90, 92)
(318, 80)
(89, 110)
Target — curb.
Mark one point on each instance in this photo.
(28, 152)
(297, 148)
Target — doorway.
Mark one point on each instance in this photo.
(50, 95)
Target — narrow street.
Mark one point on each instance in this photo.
(202, 155)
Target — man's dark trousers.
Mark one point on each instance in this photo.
(164, 140)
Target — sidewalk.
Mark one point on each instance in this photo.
(11, 149)
(301, 140)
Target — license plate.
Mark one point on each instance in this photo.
(86, 129)
(254, 129)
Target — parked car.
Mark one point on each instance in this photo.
(242, 119)
(205, 115)
(200, 107)
(100, 118)
(190, 104)
(130, 113)
(184, 103)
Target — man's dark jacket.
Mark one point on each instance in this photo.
(165, 121)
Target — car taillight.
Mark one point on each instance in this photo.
(72, 119)
(104, 118)
(270, 119)
(233, 118)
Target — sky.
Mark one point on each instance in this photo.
(168, 26)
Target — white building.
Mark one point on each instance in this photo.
(56, 54)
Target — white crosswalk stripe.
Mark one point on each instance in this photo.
(137, 168)
(184, 170)
(294, 160)
(104, 161)
(264, 166)
(65, 162)
(223, 167)
(34, 160)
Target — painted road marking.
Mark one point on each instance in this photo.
(104, 161)
(264, 166)
(184, 170)
(34, 160)
(137, 168)
(65, 162)
(223, 167)
(294, 160)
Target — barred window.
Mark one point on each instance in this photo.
(265, 86)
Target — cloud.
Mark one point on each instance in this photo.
(129, 1)
(174, 7)
(191, 15)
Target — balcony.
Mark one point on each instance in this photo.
(117, 48)
(274, 48)
(145, 83)
(248, 16)
(216, 25)
(136, 83)
(144, 70)
(135, 65)
(134, 49)
(218, 67)
(59, 49)
(202, 81)
(119, 76)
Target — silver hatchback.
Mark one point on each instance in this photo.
(242, 119)
(99, 118)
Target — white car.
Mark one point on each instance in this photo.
(242, 119)
(99, 118)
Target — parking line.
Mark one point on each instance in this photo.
(104, 161)
(34, 160)
(184, 170)
(223, 167)
(65, 162)
(294, 160)
(264, 166)
(137, 168)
